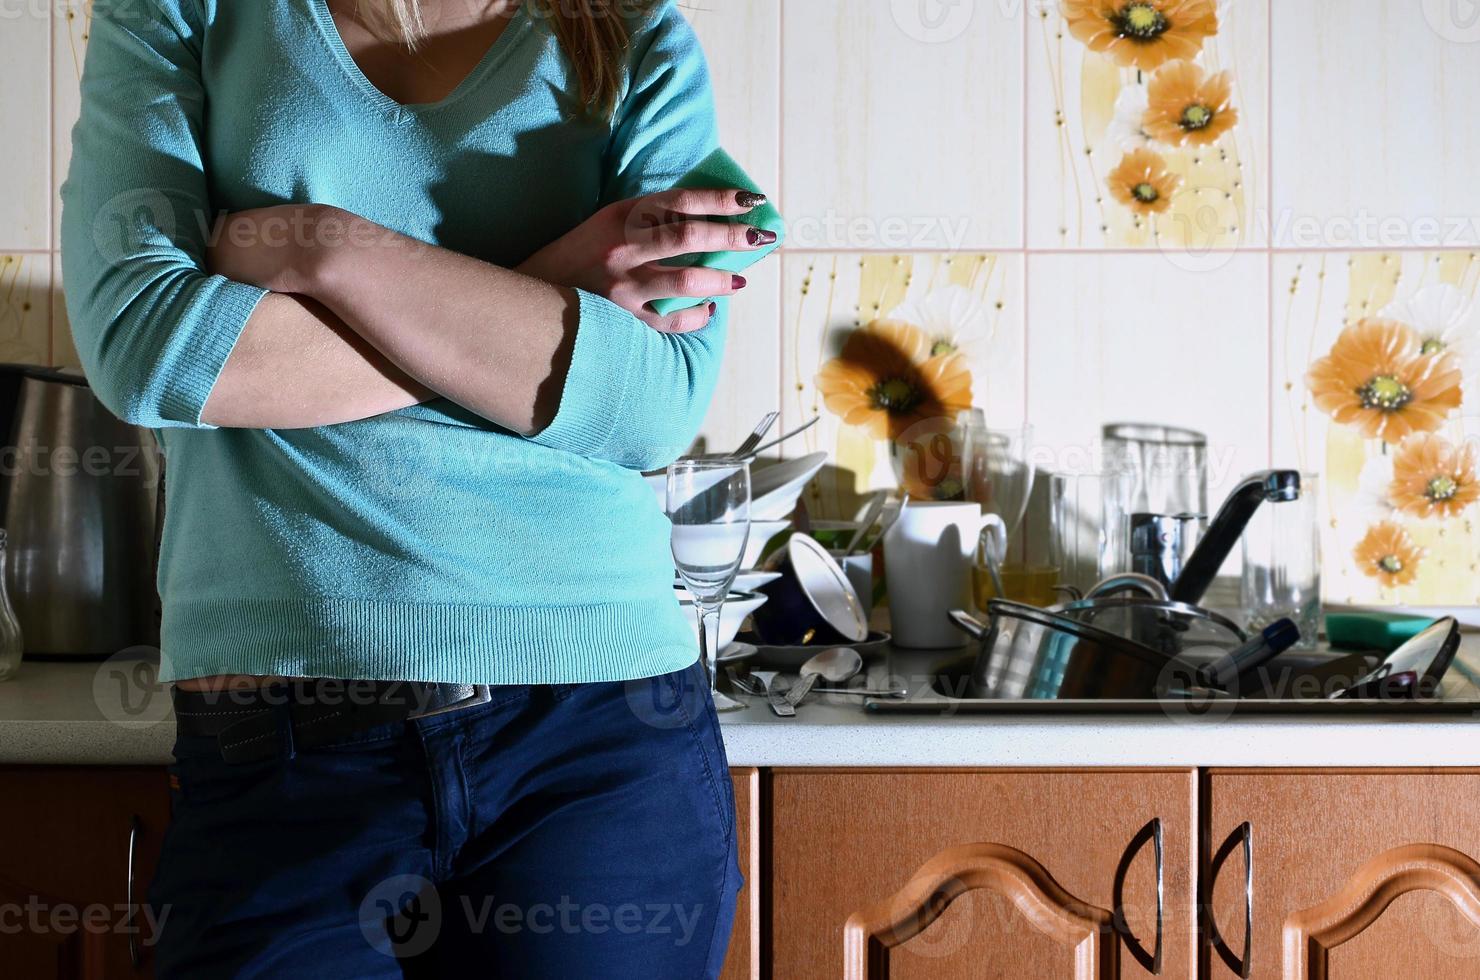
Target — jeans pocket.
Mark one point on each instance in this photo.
(691, 691)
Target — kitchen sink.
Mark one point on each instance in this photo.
(1292, 684)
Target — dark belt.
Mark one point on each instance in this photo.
(260, 723)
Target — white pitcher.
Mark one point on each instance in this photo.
(928, 556)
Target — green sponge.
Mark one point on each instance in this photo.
(718, 172)
(1383, 632)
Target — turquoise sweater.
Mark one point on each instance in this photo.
(427, 544)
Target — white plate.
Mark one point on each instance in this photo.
(774, 489)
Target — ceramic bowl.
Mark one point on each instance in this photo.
(731, 616)
(761, 533)
(812, 602)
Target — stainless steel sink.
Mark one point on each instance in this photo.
(940, 684)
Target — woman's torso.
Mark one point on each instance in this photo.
(471, 527)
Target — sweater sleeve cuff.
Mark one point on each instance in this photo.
(222, 309)
(596, 385)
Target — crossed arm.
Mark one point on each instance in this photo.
(362, 320)
(180, 328)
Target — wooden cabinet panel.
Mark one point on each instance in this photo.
(744, 959)
(1357, 874)
(64, 868)
(843, 841)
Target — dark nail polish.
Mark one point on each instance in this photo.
(759, 236)
(713, 308)
(737, 282)
(747, 199)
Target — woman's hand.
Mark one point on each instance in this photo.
(618, 253)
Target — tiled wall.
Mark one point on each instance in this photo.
(949, 164)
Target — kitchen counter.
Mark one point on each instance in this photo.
(111, 714)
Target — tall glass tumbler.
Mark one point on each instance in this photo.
(1154, 469)
(1282, 564)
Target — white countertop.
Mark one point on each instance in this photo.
(112, 714)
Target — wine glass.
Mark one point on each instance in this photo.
(709, 506)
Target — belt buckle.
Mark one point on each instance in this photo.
(482, 694)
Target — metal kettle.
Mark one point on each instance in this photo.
(78, 495)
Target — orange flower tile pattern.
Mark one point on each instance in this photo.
(1142, 34)
(1139, 81)
(1382, 368)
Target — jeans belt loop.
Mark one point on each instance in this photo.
(283, 714)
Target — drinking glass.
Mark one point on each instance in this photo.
(1153, 469)
(709, 506)
(1282, 565)
(998, 474)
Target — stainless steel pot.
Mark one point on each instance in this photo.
(1027, 653)
(78, 498)
(1171, 628)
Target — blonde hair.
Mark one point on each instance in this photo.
(594, 34)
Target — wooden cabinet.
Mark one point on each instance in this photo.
(744, 959)
(1357, 875)
(880, 845)
(72, 838)
(928, 874)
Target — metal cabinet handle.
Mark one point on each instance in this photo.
(1156, 845)
(133, 937)
(1246, 965)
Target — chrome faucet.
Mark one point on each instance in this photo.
(1273, 486)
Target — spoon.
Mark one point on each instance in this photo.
(756, 686)
(888, 523)
(836, 666)
(875, 508)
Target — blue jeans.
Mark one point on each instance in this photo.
(558, 831)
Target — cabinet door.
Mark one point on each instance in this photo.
(844, 841)
(743, 961)
(1357, 874)
(68, 835)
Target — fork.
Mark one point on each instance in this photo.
(747, 447)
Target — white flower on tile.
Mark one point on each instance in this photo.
(1126, 129)
(953, 318)
(1373, 501)
(1444, 318)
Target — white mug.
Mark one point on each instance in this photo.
(928, 556)
(860, 571)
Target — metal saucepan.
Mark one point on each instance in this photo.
(1027, 653)
(1170, 628)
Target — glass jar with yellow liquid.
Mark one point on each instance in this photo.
(1035, 585)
